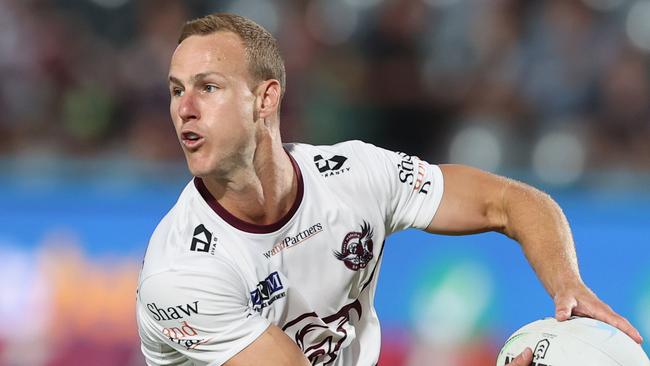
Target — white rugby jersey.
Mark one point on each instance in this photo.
(212, 283)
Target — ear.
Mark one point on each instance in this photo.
(268, 98)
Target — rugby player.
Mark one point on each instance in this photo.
(271, 254)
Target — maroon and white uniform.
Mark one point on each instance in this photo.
(211, 283)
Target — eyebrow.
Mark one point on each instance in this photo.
(196, 77)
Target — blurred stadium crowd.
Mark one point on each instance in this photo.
(561, 87)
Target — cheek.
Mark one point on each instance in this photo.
(249, 107)
(243, 102)
(177, 125)
(237, 114)
(174, 115)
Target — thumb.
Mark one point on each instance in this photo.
(562, 314)
(564, 306)
(524, 359)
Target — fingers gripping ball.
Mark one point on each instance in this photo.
(577, 341)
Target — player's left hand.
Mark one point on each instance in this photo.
(581, 301)
(524, 358)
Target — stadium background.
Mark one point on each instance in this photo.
(555, 93)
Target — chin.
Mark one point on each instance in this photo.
(200, 173)
(198, 167)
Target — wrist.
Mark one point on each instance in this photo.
(566, 283)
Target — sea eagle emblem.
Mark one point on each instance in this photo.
(356, 249)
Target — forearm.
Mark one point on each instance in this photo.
(475, 201)
(537, 222)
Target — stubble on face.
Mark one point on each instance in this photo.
(212, 104)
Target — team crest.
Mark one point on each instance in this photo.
(356, 250)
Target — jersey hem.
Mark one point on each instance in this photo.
(438, 191)
(243, 344)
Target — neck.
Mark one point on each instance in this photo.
(264, 190)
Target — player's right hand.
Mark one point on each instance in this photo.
(524, 358)
(581, 301)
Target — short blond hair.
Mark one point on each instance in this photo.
(261, 48)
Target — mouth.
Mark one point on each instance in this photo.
(191, 140)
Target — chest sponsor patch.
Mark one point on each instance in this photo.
(293, 240)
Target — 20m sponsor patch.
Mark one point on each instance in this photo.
(267, 291)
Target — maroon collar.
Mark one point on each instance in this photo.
(247, 226)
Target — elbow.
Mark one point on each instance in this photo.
(498, 210)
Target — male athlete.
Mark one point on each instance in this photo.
(271, 254)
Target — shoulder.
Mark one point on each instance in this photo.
(203, 315)
(202, 282)
(182, 235)
(205, 275)
(346, 159)
(173, 217)
(350, 147)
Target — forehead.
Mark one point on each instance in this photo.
(221, 52)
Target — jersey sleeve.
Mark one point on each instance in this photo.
(203, 318)
(407, 189)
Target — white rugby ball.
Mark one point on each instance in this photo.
(574, 342)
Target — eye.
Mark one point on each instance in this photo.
(210, 88)
(176, 92)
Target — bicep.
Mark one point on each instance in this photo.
(472, 202)
(272, 348)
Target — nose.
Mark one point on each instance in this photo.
(187, 109)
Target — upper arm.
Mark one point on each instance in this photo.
(272, 348)
(473, 202)
(201, 317)
(405, 189)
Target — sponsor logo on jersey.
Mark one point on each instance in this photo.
(408, 174)
(267, 291)
(331, 166)
(203, 240)
(173, 312)
(356, 249)
(322, 338)
(184, 335)
(291, 241)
